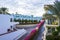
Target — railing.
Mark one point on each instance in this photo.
(34, 31)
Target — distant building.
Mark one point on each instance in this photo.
(26, 17)
(6, 21)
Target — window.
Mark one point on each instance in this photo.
(49, 29)
(11, 20)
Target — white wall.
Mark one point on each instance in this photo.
(5, 23)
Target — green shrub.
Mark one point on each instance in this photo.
(55, 33)
(49, 37)
(58, 28)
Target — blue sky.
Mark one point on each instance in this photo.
(26, 7)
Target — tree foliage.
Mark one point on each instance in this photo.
(4, 10)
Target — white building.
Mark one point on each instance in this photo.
(51, 20)
(6, 21)
(26, 17)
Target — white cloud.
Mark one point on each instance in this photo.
(26, 7)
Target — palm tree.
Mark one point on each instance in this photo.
(54, 9)
(4, 10)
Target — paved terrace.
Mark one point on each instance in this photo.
(29, 28)
(38, 36)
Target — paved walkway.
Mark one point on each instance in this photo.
(39, 35)
(29, 29)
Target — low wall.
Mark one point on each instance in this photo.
(14, 35)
